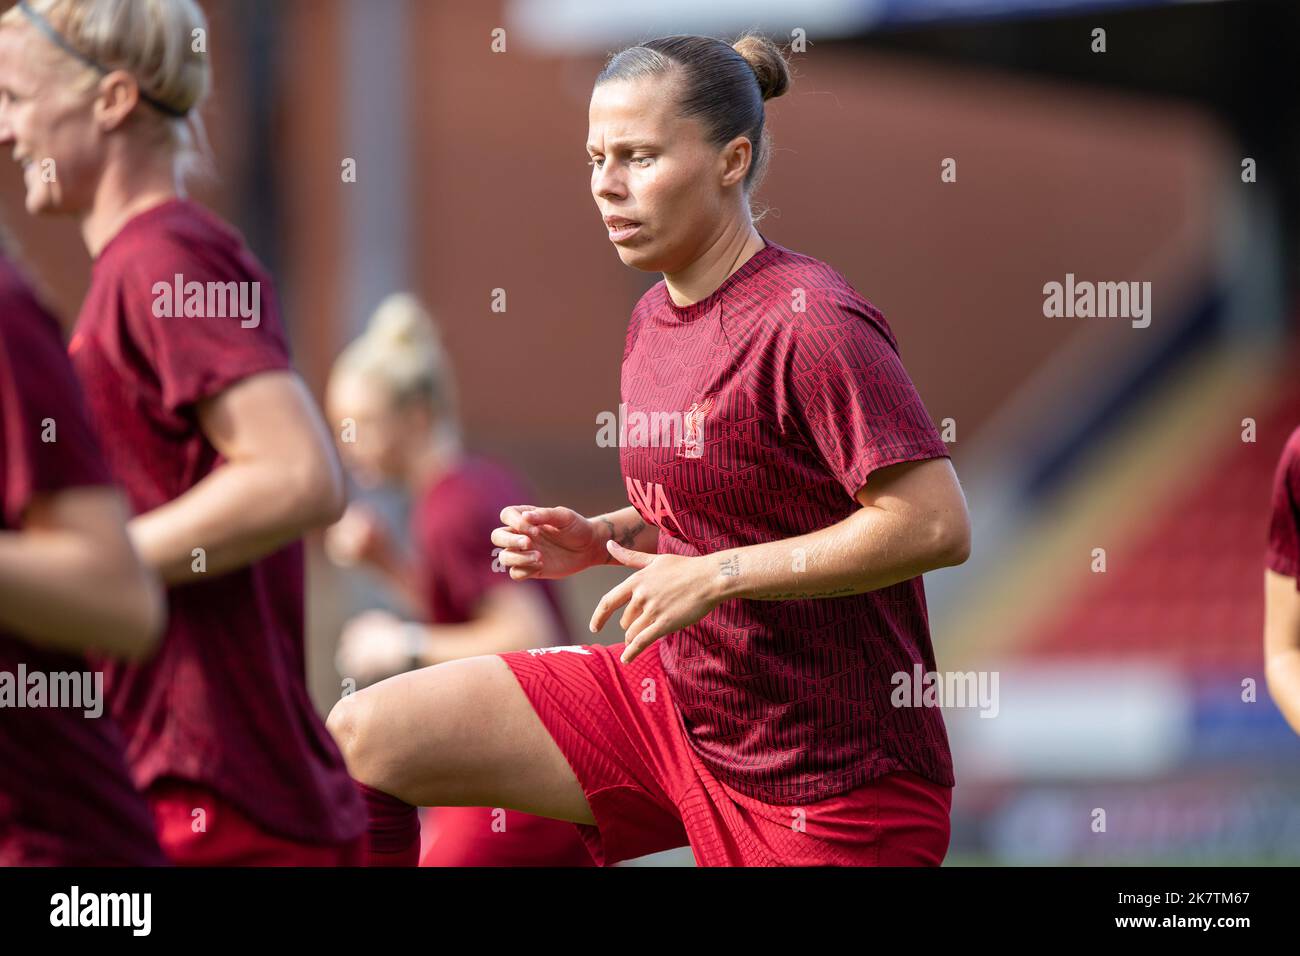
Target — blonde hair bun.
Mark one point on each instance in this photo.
(401, 349)
(402, 322)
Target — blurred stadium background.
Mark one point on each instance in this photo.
(1120, 690)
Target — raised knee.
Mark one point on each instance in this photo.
(350, 724)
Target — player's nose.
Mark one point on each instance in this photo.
(608, 184)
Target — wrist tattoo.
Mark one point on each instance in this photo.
(609, 558)
(628, 538)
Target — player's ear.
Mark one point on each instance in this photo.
(736, 158)
(117, 95)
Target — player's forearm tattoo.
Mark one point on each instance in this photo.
(627, 538)
(609, 558)
(730, 567)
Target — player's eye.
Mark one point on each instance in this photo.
(643, 161)
(595, 161)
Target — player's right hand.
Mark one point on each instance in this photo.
(359, 537)
(538, 542)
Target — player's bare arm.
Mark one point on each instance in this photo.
(627, 528)
(1282, 644)
(557, 542)
(509, 619)
(281, 478)
(69, 580)
(362, 539)
(377, 644)
(913, 519)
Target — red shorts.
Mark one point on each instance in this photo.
(223, 836)
(482, 836)
(617, 726)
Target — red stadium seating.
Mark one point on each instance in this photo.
(1189, 591)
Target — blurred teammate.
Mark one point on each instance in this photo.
(224, 458)
(777, 541)
(394, 388)
(1282, 586)
(69, 582)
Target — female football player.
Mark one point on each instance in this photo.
(777, 539)
(392, 398)
(225, 460)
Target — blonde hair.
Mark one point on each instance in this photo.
(153, 40)
(401, 350)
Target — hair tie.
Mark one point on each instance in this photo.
(57, 38)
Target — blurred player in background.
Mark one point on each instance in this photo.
(777, 543)
(69, 582)
(1282, 586)
(223, 455)
(392, 398)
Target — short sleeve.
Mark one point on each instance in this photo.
(845, 391)
(1284, 526)
(207, 322)
(46, 443)
(456, 555)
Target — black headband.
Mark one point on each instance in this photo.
(55, 37)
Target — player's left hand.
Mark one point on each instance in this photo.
(667, 592)
(374, 645)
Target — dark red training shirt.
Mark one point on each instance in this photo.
(66, 798)
(791, 393)
(225, 702)
(1284, 528)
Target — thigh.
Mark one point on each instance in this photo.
(462, 733)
